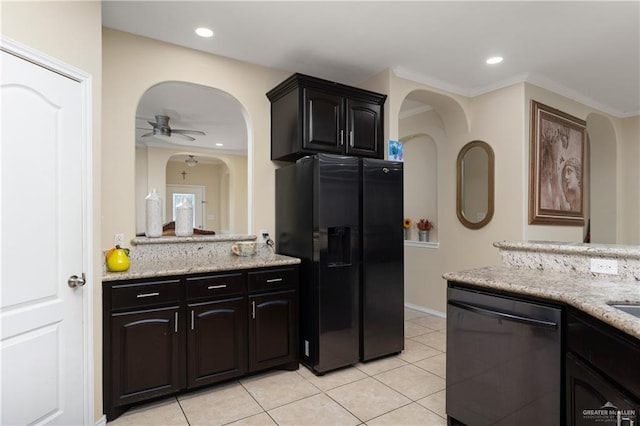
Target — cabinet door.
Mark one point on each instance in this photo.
(323, 122)
(364, 129)
(593, 400)
(146, 355)
(216, 341)
(272, 330)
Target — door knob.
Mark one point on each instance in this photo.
(75, 281)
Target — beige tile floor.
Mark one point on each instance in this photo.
(406, 389)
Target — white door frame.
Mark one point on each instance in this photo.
(85, 81)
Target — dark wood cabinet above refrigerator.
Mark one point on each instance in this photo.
(310, 115)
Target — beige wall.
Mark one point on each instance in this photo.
(71, 32)
(501, 118)
(132, 64)
(610, 190)
(629, 177)
(495, 119)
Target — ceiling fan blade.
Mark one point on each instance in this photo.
(142, 128)
(188, 132)
(146, 134)
(180, 135)
(154, 125)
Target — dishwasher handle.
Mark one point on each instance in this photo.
(503, 315)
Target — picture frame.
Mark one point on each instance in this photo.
(556, 167)
(396, 151)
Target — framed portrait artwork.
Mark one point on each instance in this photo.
(556, 169)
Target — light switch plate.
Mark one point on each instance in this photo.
(118, 240)
(604, 266)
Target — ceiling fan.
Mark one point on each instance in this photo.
(161, 128)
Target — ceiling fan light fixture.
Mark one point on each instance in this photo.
(204, 32)
(191, 161)
(494, 60)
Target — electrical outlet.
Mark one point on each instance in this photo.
(604, 266)
(118, 240)
(264, 235)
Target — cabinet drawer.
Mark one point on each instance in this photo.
(272, 279)
(134, 295)
(215, 285)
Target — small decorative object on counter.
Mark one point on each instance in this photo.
(424, 226)
(153, 224)
(117, 259)
(184, 218)
(244, 248)
(407, 227)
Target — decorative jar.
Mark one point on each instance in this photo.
(153, 223)
(184, 218)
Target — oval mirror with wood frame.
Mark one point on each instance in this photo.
(475, 184)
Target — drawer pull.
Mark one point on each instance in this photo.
(192, 318)
(175, 327)
(253, 309)
(274, 280)
(141, 295)
(213, 287)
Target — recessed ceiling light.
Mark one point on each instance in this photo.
(494, 60)
(219, 144)
(204, 32)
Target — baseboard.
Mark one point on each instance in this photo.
(102, 421)
(425, 310)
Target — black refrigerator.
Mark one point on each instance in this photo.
(342, 216)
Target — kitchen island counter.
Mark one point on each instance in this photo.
(590, 295)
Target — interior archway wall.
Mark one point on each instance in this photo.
(603, 187)
(151, 165)
(453, 121)
(421, 182)
(132, 64)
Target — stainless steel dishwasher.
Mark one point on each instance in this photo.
(504, 359)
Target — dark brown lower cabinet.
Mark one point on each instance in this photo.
(593, 399)
(145, 354)
(165, 335)
(216, 341)
(602, 374)
(272, 330)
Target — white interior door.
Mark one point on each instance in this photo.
(42, 348)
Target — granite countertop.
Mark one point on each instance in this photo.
(590, 294)
(181, 265)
